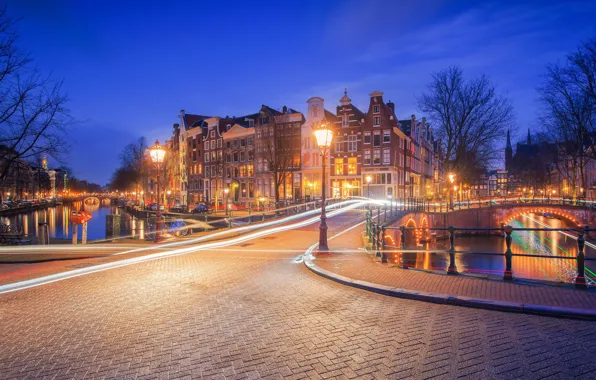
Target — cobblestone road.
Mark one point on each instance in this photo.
(244, 312)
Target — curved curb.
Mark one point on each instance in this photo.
(445, 299)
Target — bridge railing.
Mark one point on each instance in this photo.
(377, 234)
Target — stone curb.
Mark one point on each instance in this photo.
(445, 299)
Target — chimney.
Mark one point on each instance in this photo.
(181, 112)
(285, 109)
(413, 118)
(391, 105)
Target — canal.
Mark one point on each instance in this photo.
(58, 219)
(550, 243)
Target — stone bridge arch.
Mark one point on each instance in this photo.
(574, 215)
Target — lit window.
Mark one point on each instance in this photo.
(376, 157)
(352, 165)
(339, 166)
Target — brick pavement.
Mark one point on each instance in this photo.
(251, 313)
(358, 265)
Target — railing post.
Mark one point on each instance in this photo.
(383, 254)
(452, 268)
(402, 229)
(378, 237)
(378, 214)
(508, 275)
(580, 279)
(373, 235)
(385, 211)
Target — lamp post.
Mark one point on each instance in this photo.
(157, 153)
(226, 191)
(324, 135)
(368, 181)
(451, 180)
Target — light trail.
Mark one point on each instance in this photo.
(193, 240)
(27, 284)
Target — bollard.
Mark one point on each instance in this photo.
(42, 233)
(452, 268)
(249, 216)
(580, 279)
(373, 239)
(263, 217)
(229, 221)
(508, 275)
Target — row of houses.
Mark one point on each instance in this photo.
(23, 180)
(272, 154)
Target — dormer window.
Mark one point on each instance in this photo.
(376, 109)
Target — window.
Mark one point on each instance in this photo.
(352, 144)
(219, 143)
(376, 157)
(376, 108)
(352, 165)
(387, 136)
(212, 133)
(339, 143)
(377, 138)
(386, 156)
(242, 156)
(228, 173)
(249, 141)
(243, 171)
(345, 120)
(250, 171)
(235, 143)
(251, 155)
(367, 157)
(376, 121)
(212, 144)
(235, 156)
(367, 137)
(220, 155)
(228, 145)
(339, 166)
(206, 156)
(207, 173)
(228, 127)
(206, 145)
(213, 156)
(242, 142)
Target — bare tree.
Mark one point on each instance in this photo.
(277, 152)
(134, 158)
(470, 118)
(33, 117)
(569, 113)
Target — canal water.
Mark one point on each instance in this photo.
(58, 219)
(549, 243)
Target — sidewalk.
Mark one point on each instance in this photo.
(358, 269)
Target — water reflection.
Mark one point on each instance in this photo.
(58, 219)
(549, 243)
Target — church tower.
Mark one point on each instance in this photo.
(508, 152)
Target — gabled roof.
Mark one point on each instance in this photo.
(192, 121)
(406, 126)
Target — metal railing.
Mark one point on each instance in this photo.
(377, 234)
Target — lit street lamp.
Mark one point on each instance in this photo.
(324, 135)
(368, 181)
(452, 180)
(157, 153)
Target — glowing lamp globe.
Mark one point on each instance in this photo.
(157, 152)
(324, 135)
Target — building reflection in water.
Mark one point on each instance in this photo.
(523, 242)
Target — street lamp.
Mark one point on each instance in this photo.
(226, 191)
(157, 153)
(324, 135)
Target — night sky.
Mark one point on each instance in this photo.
(130, 68)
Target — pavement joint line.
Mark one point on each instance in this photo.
(445, 299)
(27, 284)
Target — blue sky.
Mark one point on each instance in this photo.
(129, 67)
